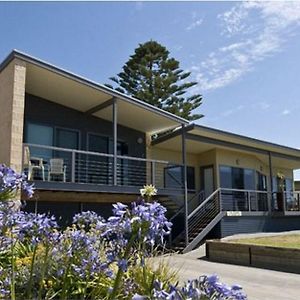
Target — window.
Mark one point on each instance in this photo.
(39, 135)
(237, 178)
(174, 178)
(225, 177)
(261, 184)
(67, 138)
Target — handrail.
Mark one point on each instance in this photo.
(182, 207)
(97, 153)
(245, 191)
(203, 203)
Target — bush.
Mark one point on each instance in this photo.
(94, 258)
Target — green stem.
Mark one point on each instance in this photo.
(29, 287)
(43, 272)
(120, 271)
(64, 288)
(12, 285)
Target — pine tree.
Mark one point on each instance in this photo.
(152, 76)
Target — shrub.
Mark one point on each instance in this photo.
(94, 258)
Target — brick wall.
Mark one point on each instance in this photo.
(12, 98)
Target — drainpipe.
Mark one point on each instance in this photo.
(115, 140)
(186, 211)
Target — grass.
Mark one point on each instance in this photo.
(285, 241)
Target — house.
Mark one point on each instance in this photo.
(86, 146)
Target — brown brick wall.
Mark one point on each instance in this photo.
(12, 98)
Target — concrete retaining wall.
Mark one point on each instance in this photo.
(275, 258)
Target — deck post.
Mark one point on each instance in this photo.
(115, 140)
(271, 199)
(186, 209)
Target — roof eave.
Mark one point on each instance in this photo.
(33, 60)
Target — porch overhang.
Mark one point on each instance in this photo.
(200, 139)
(57, 85)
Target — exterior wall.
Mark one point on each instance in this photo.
(252, 224)
(42, 111)
(12, 91)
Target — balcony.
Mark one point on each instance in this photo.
(55, 168)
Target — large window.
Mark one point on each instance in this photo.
(237, 178)
(174, 177)
(39, 135)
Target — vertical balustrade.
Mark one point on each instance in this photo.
(73, 165)
(153, 172)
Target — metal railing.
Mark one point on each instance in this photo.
(244, 200)
(94, 168)
(291, 201)
(200, 217)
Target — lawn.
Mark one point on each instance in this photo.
(286, 241)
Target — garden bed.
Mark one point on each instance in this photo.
(285, 241)
(261, 256)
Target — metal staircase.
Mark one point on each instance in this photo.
(200, 222)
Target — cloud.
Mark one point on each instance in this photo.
(263, 105)
(194, 24)
(232, 111)
(254, 31)
(285, 112)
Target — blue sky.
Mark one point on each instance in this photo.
(245, 56)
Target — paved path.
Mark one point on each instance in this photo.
(259, 284)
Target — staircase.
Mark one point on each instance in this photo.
(200, 222)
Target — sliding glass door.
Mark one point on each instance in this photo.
(237, 179)
(67, 139)
(99, 168)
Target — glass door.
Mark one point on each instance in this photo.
(68, 139)
(207, 184)
(99, 168)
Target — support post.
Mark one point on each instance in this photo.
(186, 209)
(115, 140)
(271, 199)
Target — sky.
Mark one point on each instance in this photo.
(244, 55)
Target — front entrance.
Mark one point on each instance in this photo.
(207, 180)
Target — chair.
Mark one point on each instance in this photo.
(57, 167)
(32, 164)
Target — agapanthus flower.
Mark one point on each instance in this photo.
(11, 182)
(148, 191)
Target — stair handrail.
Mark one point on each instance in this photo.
(204, 202)
(182, 207)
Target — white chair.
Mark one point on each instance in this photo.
(57, 168)
(32, 164)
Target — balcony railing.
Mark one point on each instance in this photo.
(92, 167)
(244, 200)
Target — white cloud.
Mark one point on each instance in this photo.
(257, 30)
(194, 24)
(285, 112)
(263, 105)
(232, 111)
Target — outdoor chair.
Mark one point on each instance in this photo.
(57, 168)
(33, 164)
